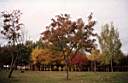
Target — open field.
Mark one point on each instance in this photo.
(59, 77)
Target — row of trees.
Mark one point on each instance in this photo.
(33, 53)
(60, 43)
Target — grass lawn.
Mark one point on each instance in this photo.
(59, 77)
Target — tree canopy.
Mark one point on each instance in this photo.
(69, 36)
(110, 45)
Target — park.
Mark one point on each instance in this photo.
(59, 77)
(56, 42)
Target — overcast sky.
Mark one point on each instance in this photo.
(38, 13)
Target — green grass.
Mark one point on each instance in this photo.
(59, 77)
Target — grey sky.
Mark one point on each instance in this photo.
(37, 13)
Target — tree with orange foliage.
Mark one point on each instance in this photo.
(69, 36)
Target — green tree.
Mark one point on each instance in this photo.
(24, 54)
(12, 32)
(5, 58)
(69, 36)
(110, 45)
(39, 44)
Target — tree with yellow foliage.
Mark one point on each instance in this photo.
(40, 56)
(94, 58)
(46, 56)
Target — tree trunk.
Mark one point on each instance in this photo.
(67, 67)
(13, 63)
(111, 66)
(66, 64)
(67, 71)
(10, 73)
(94, 66)
(12, 67)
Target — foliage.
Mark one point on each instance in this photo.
(24, 54)
(12, 31)
(110, 45)
(22, 50)
(95, 55)
(12, 26)
(64, 33)
(78, 59)
(94, 58)
(45, 56)
(69, 36)
(5, 58)
(40, 56)
(39, 44)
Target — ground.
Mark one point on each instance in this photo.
(59, 77)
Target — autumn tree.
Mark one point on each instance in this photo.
(41, 56)
(69, 36)
(78, 61)
(94, 58)
(12, 31)
(110, 45)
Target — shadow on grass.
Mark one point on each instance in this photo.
(4, 77)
